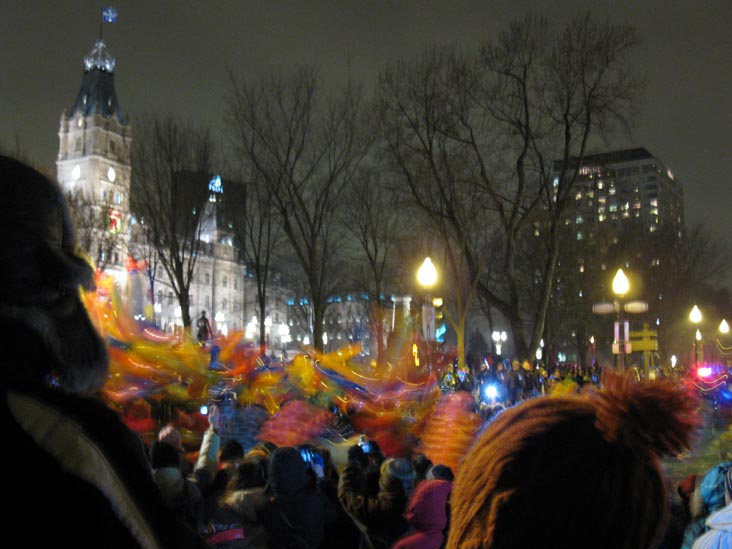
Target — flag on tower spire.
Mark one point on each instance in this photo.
(109, 15)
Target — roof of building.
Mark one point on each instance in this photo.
(617, 157)
(97, 95)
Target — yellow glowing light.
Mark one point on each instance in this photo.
(427, 274)
(724, 327)
(695, 315)
(621, 285)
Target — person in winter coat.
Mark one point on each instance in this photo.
(180, 494)
(719, 534)
(605, 448)
(380, 517)
(235, 524)
(292, 508)
(427, 514)
(709, 497)
(98, 489)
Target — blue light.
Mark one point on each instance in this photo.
(491, 391)
(215, 185)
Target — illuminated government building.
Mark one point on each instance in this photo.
(95, 140)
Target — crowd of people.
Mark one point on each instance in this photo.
(577, 470)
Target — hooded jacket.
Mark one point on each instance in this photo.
(719, 535)
(292, 509)
(380, 518)
(427, 515)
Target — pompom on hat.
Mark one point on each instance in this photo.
(573, 471)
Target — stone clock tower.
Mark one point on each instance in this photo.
(93, 162)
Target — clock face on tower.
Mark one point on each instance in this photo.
(76, 172)
(111, 174)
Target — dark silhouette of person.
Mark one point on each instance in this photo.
(92, 471)
(203, 328)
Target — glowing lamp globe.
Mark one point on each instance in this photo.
(427, 274)
(621, 285)
(695, 315)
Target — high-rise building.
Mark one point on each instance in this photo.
(627, 186)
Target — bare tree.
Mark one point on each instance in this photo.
(483, 131)
(305, 146)
(172, 166)
(256, 224)
(376, 224)
(99, 228)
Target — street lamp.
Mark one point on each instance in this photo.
(723, 327)
(696, 317)
(427, 278)
(621, 285)
(499, 338)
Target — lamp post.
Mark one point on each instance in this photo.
(427, 278)
(696, 317)
(499, 339)
(621, 285)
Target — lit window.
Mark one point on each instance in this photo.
(652, 228)
(578, 220)
(579, 236)
(578, 196)
(601, 217)
(613, 207)
(654, 202)
(599, 185)
(611, 191)
(582, 268)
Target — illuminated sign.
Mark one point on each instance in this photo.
(215, 185)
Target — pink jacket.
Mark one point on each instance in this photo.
(427, 515)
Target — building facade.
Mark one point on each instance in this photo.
(94, 164)
(627, 186)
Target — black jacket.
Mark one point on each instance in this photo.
(79, 476)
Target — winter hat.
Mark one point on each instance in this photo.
(163, 454)
(231, 450)
(421, 465)
(171, 435)
(287, 473)
(42, 317)
(400, 469)
(37, 239)
(356, 454)
(605, 489)
(712, 487)
(440, 472)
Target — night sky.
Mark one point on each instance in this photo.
(172, 58)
